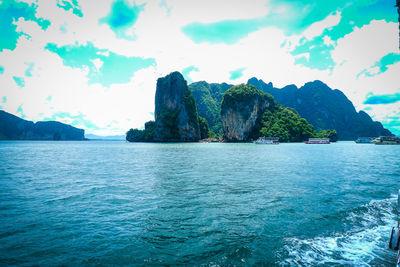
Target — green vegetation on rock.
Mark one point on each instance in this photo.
(284, 123)
(149, 127)
(191, 109)
(241, 96)
(169, 119)
(146, 135)
(331, 134)
(204, 130)
(134, 135)
(208, 98)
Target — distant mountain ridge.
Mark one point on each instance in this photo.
(325, 108)
(15, 128)
(321, 106)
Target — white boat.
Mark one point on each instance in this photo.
(387, 140)
(267, 140)
(318, 141)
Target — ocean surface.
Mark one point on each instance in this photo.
(116, 203)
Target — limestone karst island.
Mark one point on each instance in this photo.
(246, 112)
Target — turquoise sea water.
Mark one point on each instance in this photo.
(117, 203)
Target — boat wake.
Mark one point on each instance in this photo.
(365, 244)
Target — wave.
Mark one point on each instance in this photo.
(365, 244)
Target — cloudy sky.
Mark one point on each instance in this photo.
(94, 64)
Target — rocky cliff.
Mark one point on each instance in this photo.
(325, 109)
(241, 106)
(176, 118)
(15, 128)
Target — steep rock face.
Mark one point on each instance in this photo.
(175, 111)
(241, 107)
(325, 109)
(208, 98)
(14, 128)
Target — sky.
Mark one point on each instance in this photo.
(94, 64)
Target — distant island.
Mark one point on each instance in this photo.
(15, 128)
(239, 113)
(321, 106)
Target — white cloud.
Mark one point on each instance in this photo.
(358, 51)
(317, 28)
(364, 46)
(208, 11)
(328, 41)
(97, 63)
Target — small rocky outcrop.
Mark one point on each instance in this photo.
(241, 107)
(176, 118)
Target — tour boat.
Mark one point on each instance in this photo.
(318, 141)
(387, 140)
(267, 140)
(364, 140)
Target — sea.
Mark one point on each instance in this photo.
(113, 203)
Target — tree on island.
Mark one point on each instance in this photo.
(284, 123)
(331, 134)
(145, 135)
(204, 130)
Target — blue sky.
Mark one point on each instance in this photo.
(95, 64)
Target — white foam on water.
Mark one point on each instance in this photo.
(365, 242)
